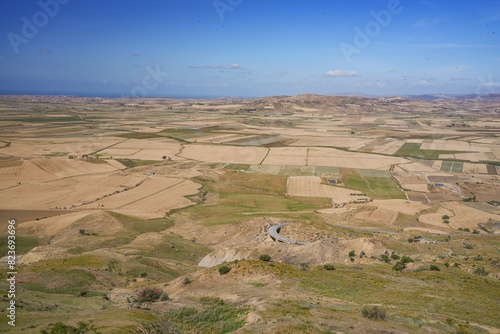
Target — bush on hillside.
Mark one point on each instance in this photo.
(224, 269)
(148, 294)
(265, 257)
(373, 313)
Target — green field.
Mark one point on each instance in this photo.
(236, 205)
(376, 187)
(139, 135)
(452, 166)
(374, 173)
(264, 182)
(289, 170)
(457, 167)
(413, 149)
(129, 163)
(296, 171)
(237, 167)
(23, 244)
(319, 170)
(446, 166)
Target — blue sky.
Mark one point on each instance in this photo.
(249, 48)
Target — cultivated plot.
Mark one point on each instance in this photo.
(296, 156)
(374, 173)
(39, 147)
(143, 149)
(152, 199)
(310, 186)
(49, 169)
(224, 154)
(65, 193)
(282, 170)
(334, 157)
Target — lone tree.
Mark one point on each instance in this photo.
(265, 257)
(224, 269)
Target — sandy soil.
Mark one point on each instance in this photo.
(310, 186)
(64, 192)
(400, 205)
(144, 149)
(415, 187)
(152, 199)
(228, 154)
(333, 157)
(426, 229)
(379, 216)
(475, 168)
(51, 226)
(464, 216)
(70, 146)
(416, 167)
(436, 219)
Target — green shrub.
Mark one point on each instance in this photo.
(385, 258)
(352, 253)
(224, 269)
(481, 271)
(447, 264)
(186, 281)
(164, 296)
(475, 231)
(265, 257)
(406, 259)
(467, 229)
(373, 313)
(304, 266)
(478, 258)
(213, 316)
(434, 267)
(329, 266)
(60, 328)
(212, 301)
(148, 294)
(410, 240)
(446, 221)
(144, 274)
(445, 217)
(399, 266)
(395, 256)
(421, 268)
(469, 246)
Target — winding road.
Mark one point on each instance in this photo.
(274, 233)
(275, 229)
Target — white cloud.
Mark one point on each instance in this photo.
(233, 67)
(227, 67)
(423, 83)
(341, 74)
(490, 84)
